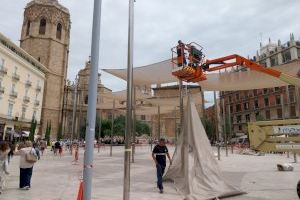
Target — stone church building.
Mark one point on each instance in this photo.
(46, 35)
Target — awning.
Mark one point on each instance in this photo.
(161, 72)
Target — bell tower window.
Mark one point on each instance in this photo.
(28, 28)
(42, 29)
(58, 31)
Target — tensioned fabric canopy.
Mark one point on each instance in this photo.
(161, 72)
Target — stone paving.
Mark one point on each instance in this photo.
(56, 178)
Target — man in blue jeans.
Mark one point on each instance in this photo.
(159, 154)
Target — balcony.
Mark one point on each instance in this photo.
(16, 76)
(28, 83)
(36, 103)
(13, 94)
(38, 88)
(2, 90)
(26, 99)
(3, 70)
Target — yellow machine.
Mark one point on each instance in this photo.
(275, 136)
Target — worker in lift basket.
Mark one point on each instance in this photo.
(159, 154)
(196, 56)
(180, 54)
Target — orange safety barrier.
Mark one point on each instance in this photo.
(80, 191)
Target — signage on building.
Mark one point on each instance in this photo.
(290, 130)
(288, 146)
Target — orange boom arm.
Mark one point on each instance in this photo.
(197, 73)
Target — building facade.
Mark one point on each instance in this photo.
(170, 123)
(46, 35)
(82, 84)
(21, 88)
(242, 107)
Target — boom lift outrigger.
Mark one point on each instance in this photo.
(194, 70)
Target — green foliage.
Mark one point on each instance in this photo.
(210, 128)
(142, 128)
(59, 132)
(32, 129)
(260, 118)
(48, 132)
(119, 125)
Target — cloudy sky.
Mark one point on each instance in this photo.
(222, 27)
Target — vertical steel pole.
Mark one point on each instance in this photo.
(151, 141)
(216, 116)
(126, 185)
(217, 125)
(74, 110)
(181, 105)
(112, 128)
(288, 108)
(92, 101)
(133, 125)
(229, 126)
(99, 131)
(158, 123)
(224, 125)
(175, 126)
(283, 115)
(203, 104)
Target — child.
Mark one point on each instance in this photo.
(76, 153)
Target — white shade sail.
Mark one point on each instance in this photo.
(161, 72)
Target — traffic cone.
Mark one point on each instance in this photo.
(80, 192)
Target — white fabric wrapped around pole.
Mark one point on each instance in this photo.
(195, 171)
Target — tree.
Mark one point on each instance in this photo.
(48, 132)
(119, 125)
(59, 132)
(142, 128)
(260, 118)
(32, 129)
(210, 128)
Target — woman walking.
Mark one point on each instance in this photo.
(4, 150)
(27, 159)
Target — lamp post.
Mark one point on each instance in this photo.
(92, 101)
(128, 132)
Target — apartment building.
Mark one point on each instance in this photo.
(242, 107)
(21, 88)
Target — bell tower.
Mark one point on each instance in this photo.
(45, 35)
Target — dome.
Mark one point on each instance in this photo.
(48, 2)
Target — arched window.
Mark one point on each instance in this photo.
(58, 31)
(28, 28)
(42, 29)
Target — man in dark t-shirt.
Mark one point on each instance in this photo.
(159, 154)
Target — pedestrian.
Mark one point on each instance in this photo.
(76, 153)
(37, 150)
(4, 150)
(57, 147)
(27, 159)
(43, 146)
(159, 154)
(11, 152)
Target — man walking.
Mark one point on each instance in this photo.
(159, 156)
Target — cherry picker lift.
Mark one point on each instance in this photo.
(194, 69)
